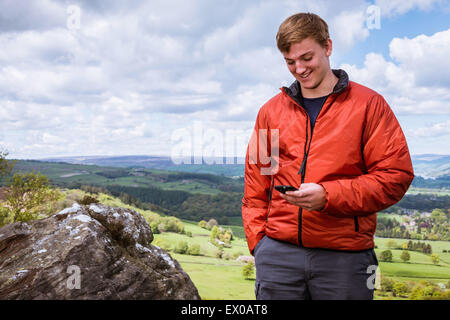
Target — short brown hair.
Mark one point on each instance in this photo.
(299, 27)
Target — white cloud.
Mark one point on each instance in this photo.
(349, 27)
(425, 56)
(413, 82)
(435, 130)
(398, 7)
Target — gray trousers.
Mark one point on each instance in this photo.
(285, 271)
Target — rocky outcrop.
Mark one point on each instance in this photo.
(88, 252)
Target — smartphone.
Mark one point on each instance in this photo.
(283, 189)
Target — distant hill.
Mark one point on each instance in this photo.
(431, 165)
(229, 167)
(425, 165)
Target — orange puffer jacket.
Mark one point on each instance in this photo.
(357, 152)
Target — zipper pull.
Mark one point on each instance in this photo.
(271, 187)
(302, 167)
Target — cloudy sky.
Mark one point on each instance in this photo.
(147, 77)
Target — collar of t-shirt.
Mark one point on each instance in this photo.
(312, 107)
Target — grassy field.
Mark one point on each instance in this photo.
(217, 279)
(437, 192)
(438, 247)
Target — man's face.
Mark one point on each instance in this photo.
(308, 62)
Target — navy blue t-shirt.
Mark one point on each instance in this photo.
(312, 107)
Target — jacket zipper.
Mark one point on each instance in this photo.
(302, 173)
(272, 181)
(302, 170)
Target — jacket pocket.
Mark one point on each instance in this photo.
(257, 285)
(356, 224)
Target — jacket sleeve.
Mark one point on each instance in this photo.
(257, 183)
(388, 163)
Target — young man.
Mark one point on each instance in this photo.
(340, 145)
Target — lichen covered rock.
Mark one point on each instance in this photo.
(88, 252)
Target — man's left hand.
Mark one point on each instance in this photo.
(310, 196)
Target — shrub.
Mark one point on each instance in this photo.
(387, 284)
(211, 223)
(161, 227)
(386, 256)
(162, 244)
(154, 227)
(405, 256)
(194, 250)
(227, 256)
(3, 216)
(182, 247)
(248, 270)
(391, 244)
(219, 253)
(28, 194)
(202, 224)
(175, 225)
(416, 293)
(435, 258)
(430, 291)
(87, 199)
(400, 289)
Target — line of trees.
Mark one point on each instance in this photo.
(420, 247)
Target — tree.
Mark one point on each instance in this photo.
(202, 224)
(435, 258)
(386, 256)
(248, 271)
(6, 166)
(438, 215)
(27, 194)
(405, 256)
(410, 245)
